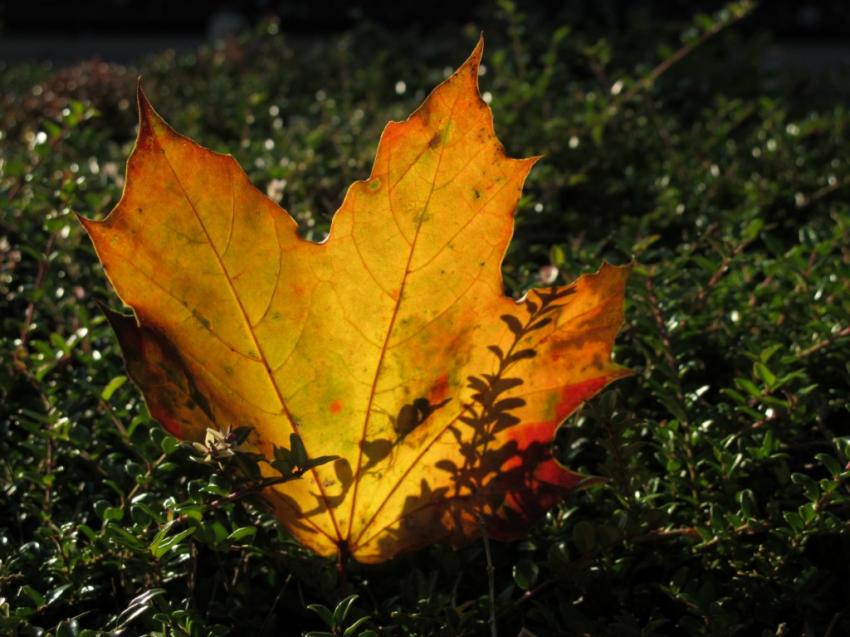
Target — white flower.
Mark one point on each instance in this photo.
(275, 189)
(547, 274)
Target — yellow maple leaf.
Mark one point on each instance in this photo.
(390, 345)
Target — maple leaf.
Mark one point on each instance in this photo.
(391, 345)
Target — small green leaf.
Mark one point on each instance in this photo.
(525, 574)
(218, 530)
(169, 444)
(242, 533)
(123, 537)
(324, 614)
(807, 512)
(36, 597)
(351, 631)
(112, 386)
(747, 501)
(341, 610)
(68, 628)
(766, 353)
(557, 257)
(832, 465)
(794, 521)
(748, 386)
(643, 244)
(761, 370)
(808, 484)
(160, 548)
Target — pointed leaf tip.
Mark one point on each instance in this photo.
(141, 99)
(478, 51)
(474, 59)
(83, 221)
(149, 119)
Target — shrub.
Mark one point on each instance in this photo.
(723, 503)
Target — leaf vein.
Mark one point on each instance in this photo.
(390, 327)
(250, 330)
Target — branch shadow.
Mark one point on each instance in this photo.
(493, 483)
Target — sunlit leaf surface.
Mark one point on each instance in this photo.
(390, 345)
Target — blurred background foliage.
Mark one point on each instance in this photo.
(724, 499)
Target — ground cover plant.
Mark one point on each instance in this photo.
(722, 506)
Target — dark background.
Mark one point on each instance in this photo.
(814, 34)
(787, 18)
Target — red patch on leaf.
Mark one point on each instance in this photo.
(438, 391)
(172, 426)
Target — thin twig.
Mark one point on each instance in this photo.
(29, 313)
(827, 342)
(491, 579)
(264, 628)
(250, 489)
(832, 624)
(342, 568)
(650, 78)
(662, 534)
(721, 270)
(819, 194)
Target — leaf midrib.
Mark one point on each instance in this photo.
(391, 326)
